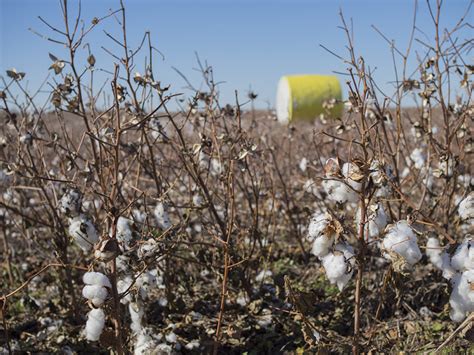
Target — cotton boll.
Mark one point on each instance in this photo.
(418, 157)
(147, 248)
(303, 164)
(70, 202)
(439, 258)
(463, 257)
(216, 167)
(322, 245)
(124, 233)
(197, 200)
(95, 293)
(376, 221)
(83, 232)
(462, 296)
(339, 192)
(136, 315)
(161, 216)
(318, 223)
(95, 324)
(352, 175)
(96, 278)
(124, 285)
(466, 207)
(339, 265)
(400, 245)
(139, 216)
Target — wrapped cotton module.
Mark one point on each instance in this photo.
(301, 97)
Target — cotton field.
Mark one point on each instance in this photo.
(131, 227)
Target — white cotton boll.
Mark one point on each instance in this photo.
(338, 191)
(124, 285)
(139, 216)
(466, 180)
(70, 202)
(303, 164)
(462, 296)
(352, 175)
(401, 240)
(466, 207)
(311, 187)
(322, 245)
(463, 257)
(216, 167)
(171, 338)
(136, 315)
(124, 233)
(95, 324)
(418, 157)
(147, 248)
(194, 344)
(197, 200)
(83, 232)
(264, 274)
(339, 265)
(376, 221)
(439, 258)
(318, 223)
(161, 216)
(145, 345)
(203, 159)
(145, 282)
(96, 278)
(95, 293)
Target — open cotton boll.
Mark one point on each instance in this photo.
(317, 224)
(339, 265)
(376, 221)
(83, 232)
(96, 278)
(401, 242)
(95, 324)
(322, 245)
(439, 257)
(216, 167)
(338, 191)
(123, 285)
(352, 175)
(463, 257)
(303, 164)
(462, 296)
(418, 158)
(466, 207)
(161, 216)
(124, 232)
(136, 315)
(70, 202)
(95, 293)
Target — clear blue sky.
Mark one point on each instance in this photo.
(248, 43)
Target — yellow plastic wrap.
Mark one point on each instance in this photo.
(301, 97)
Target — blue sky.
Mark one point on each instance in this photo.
(248, 43)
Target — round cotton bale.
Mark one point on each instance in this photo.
(301, 97)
